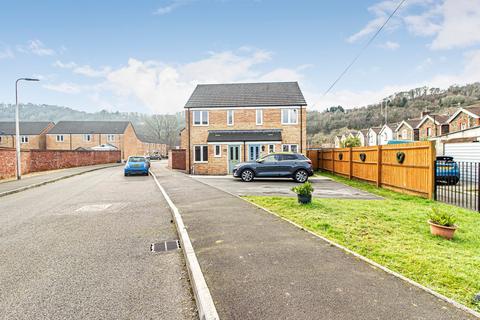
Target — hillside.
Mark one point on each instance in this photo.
(323, 126)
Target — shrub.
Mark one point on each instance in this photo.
(303, 189)
(442, 217)
(351, 142)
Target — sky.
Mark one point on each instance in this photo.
(148, 56)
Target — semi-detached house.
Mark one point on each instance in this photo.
(230, 123)
(32, 134)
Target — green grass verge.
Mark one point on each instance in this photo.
(393, 232)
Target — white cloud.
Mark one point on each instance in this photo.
(6, 52)
(69, 88)
(390, 45)
(37, 48)
(84, 70)
(172, 5)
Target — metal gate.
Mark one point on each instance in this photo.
(457, 183)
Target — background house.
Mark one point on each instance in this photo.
(387, 133)
(432, 125)
(464, 118)
(372, 135)
(32, 134)
(362, 135)
(407, 130)
(230, 123)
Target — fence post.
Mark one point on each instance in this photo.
(333, 160)
(379, 166)
(478, 187)
(350, 171)
(433, 169)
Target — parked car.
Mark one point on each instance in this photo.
(136, 165)
(155, 157)
(447, 170)
(278, 165)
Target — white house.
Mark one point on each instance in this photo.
(387, 133)
(362, 135)
(372, 136)
(338, 141)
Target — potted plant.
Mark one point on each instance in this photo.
(442, 223)
(304, 192)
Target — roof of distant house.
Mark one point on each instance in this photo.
(412, 123)
(246, 95)
(147, 138)
(26, 127)
(376, 129)
(475, 109)
(84, 127)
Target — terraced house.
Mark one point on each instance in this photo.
(74, 135)
(32, 134)
(230, 123)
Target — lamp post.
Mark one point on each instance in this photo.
(17, 126)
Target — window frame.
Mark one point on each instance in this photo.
(24, 139)
(59, 136)
(112, 136)
(219, 154)
(271, 150)
(289, 149)
(202, 155)
(289, 112)
(232, 113)
(203, 114)
(429, 132)
(89, 139)
(257, 112)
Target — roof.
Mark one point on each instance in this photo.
(439, 119)
(376, 129)
(473, 111)
(147, 139)
(412, 123)
(392, 126)
(246, 95)
(244, 135)
(26, 128)
(82, 127)
(364, 132)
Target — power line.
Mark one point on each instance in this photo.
(364, 47)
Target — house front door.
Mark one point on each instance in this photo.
(233, 157)
(253, 152)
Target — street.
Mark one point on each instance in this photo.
(80, 249)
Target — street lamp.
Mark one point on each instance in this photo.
(17, 126)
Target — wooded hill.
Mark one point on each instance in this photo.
(323, 126)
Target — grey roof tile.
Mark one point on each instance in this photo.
(83, 127)
(26, 127)
(246, 95)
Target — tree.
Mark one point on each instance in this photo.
(163, 127)
(351, 142)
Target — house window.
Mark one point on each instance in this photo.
(59, 137)
(201, 153)
(200, 118)
(230, 116)
(404, 134)
(1, 139)
(218, 151)
(429, 132)
(290, 147)
(24, 139)
(259, 117)
(463, 126)
(110, 137)
(271, 148)
(87, 137)
(289, 116)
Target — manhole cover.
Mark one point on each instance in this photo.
(164, 246)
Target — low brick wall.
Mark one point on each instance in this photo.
(177, 159)
(43, 160)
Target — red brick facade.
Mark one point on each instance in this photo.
(43, 160)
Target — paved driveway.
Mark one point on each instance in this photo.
(324, 187)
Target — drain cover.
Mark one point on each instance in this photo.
(163, 246)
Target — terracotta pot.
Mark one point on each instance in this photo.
(442, 231)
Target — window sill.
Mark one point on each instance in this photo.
(200, 125)
(200, 162)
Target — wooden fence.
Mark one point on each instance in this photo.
(406, 168)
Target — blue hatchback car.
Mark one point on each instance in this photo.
(136, 165)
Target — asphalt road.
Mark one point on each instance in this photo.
(79, 249)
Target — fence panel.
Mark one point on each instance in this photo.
(404, 167)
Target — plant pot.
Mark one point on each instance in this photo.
(304, 199)
(442, 231)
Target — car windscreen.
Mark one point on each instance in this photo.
(136, 159)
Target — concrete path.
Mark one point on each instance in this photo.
(324, 187)
(38, 178)
(258, 266)
(79, 248)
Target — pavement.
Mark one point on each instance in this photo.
(38, 178)
(258, 266)
(79, 248)
(323, 187)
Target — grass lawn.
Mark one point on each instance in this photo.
(394, 233)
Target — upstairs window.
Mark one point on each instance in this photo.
(60, 138)
(24, 139)
(200, 118)
(289, 116)
(87, 137)
(110, 137)
(230, 117)
(259, 117)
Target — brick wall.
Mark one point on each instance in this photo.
(43, 160)
(410, 135)
(176, 159)
(424, 127)
(465, 119)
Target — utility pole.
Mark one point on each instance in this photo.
(17, 127)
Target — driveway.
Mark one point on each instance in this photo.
(324, 187)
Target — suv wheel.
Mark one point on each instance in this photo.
(300, 176)
(247, 175)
